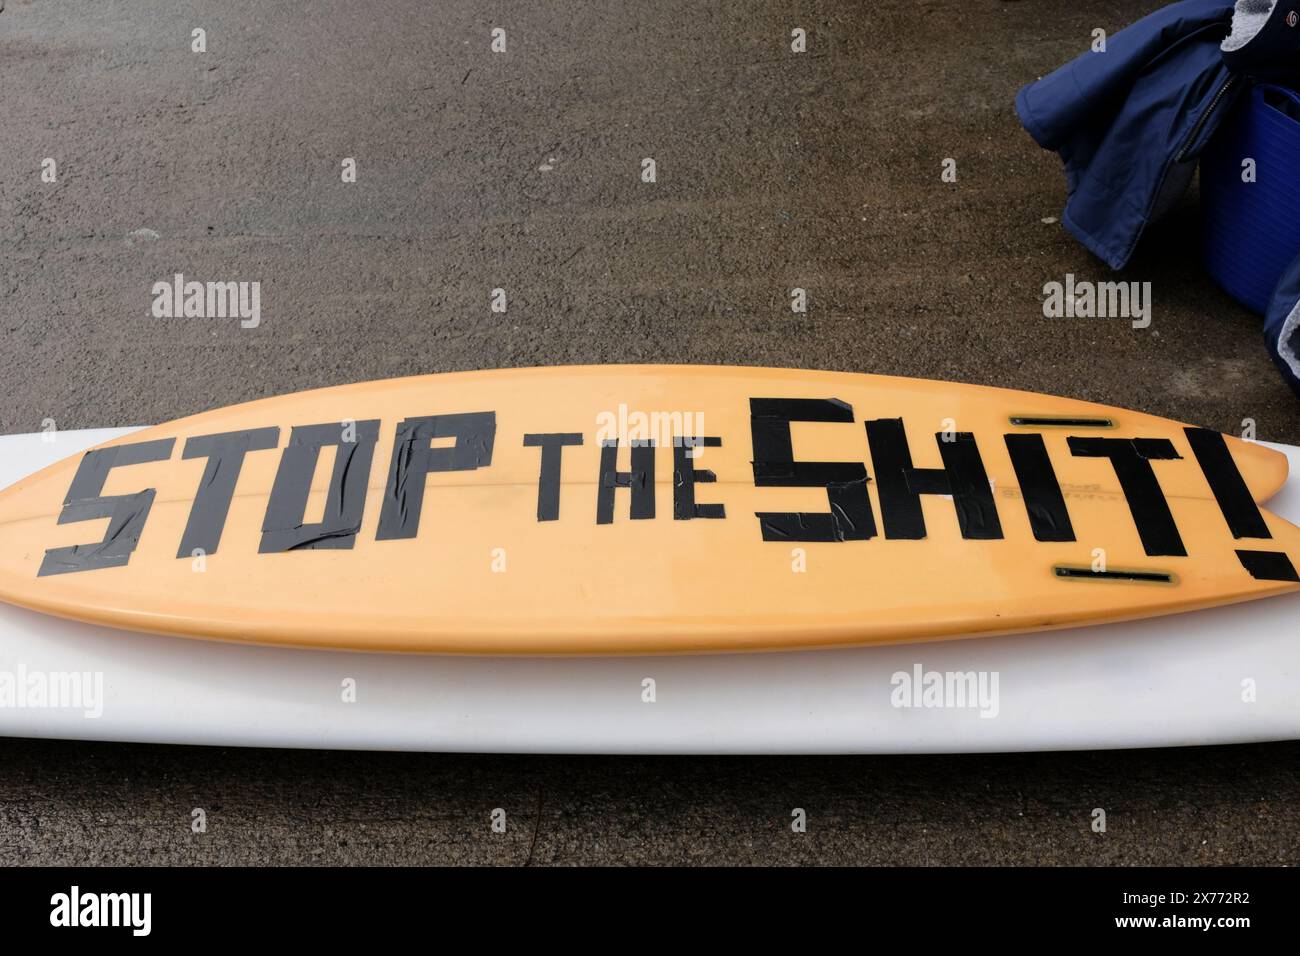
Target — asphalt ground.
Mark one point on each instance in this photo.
(522, 170)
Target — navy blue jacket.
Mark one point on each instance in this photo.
(1129, 122)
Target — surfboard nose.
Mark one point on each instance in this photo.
(1264, 469)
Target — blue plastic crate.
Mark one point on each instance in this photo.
(1252, 229)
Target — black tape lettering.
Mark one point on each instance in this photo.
(901, 485)
(548, 480)
(1229, 487)
(1048, 516)
(1238, 505)
(850, 517)
(1131, 459)
(345, 501)
(1268, 565)
(640, 481)
(685, 477)
(126, 514)
(225, 454)
(414, 458)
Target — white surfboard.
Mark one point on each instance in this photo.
(1225, 675)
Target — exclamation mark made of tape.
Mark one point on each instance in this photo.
(1238, 505)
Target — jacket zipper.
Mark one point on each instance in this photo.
(1204, 118)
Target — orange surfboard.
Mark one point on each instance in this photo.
(645, 509)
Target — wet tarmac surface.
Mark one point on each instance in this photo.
(524, 170)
